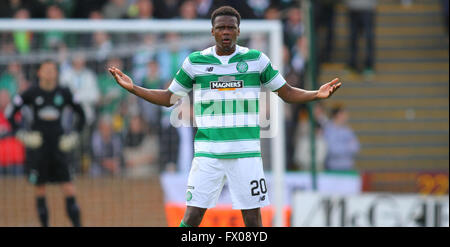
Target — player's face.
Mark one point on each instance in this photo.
(225, 31)
(48, 74)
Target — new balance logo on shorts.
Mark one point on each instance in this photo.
(209, 69)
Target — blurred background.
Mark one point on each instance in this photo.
(382, 139)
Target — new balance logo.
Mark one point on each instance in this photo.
(262, 198)
(209, 69)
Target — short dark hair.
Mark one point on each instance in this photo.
(51, 61)
(336, 109)
(48, 60)
(227, 11)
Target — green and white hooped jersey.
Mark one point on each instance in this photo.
(226, 98)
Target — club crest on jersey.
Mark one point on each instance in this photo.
(242, 67)
(58, 100)
(39, 100)
(226, 83)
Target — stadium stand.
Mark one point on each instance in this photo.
(401, 114)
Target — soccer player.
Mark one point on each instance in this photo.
(226, 79)
(46, 142)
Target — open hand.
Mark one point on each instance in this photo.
(122, 79)
(326, 90)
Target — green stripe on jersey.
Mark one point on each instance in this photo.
(227, 134)
(249, 56)
(184, 79)
(268, 74)
(228, 155)
(220, 107)
(197, 58)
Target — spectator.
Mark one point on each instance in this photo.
(294, 72)
(188, 10)
(13, 80)
(67, 6)
(325, 12)
(166, 9)
(143, 55)
(5, 99)
(115, 9)
(22, 39)
(111, 94)
(39, 7)
(83, 83)
(259, 6)
(343, 145)
(153, 80)
(142, 9)
(87, 39)
(54, 39)
(140, 151)
(9, 7)
(303, 148)
(272, 13)
(103, 45)
(106, 149)
(170, 59)
(293, 28)
(204, 8)
(300, 55)
(287, 4)
(287, 66)
(7, 48)
(362, 19)
(169, 142)
(151, 112)
(258, 41)
(95, 15)
(186, 139)
(83, 8)
(12, 152)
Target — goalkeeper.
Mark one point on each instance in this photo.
(47, 144)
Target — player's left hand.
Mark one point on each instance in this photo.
(326, 90)
(68, 142)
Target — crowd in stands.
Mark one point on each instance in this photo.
(124, 134)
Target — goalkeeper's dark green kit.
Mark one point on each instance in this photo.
(46, 163)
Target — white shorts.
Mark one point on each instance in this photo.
(245, 177)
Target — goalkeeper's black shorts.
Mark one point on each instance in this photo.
(47, 165)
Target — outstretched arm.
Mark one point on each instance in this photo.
(17, 103)
(296, 95)
(155, 96)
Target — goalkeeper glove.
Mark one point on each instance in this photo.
(31, 139)
(68, 142)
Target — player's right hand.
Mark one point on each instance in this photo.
(31, 139)
(122, 79)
